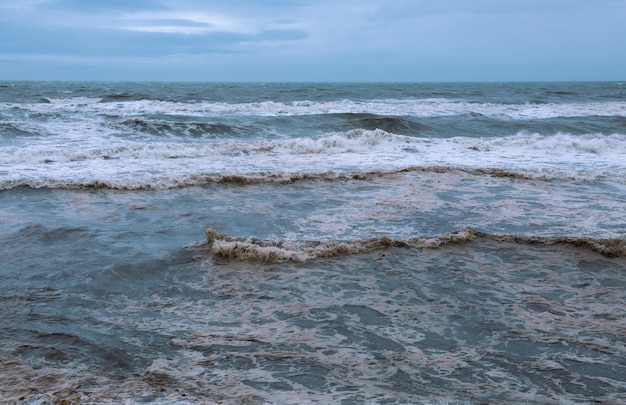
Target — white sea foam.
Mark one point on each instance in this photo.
(74, 101)
(127, 164)
(408, 107)
(614, 144)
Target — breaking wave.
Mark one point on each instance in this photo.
(559, 142)
(193, 180)
(392, 107)
(267, 251)
(353, 154)
(179, 129)
(394, 125)
(17, 128)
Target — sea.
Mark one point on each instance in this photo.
(300, 243)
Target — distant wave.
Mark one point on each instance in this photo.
(268, 251)
(193, 129)
(415, 108)
(396, 125)
(18, 128)
(118, 96)
(73, 101)
(559, 142)
(357, 140)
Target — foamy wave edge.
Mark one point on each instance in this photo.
(194, 180)
(429, 107)
(263, 251)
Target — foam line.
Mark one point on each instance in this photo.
(156, 184)
(267, 251)
(399, 107)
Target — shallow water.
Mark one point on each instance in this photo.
(471, 323)
(109, 296)
(320, 243)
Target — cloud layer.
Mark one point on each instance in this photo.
(397, 40)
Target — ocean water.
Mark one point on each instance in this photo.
(445, 243)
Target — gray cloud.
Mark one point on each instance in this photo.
(320, 39)
(129, 43)
(135, 35)
(108, 5)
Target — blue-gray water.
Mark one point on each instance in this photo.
(312, 243)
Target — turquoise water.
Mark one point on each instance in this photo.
(299, 243)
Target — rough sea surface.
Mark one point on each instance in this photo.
(446, 243)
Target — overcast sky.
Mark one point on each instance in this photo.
(313, 40)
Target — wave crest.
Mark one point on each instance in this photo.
(424, 108)
(353, 154)
(253, 249)
(243, 179)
